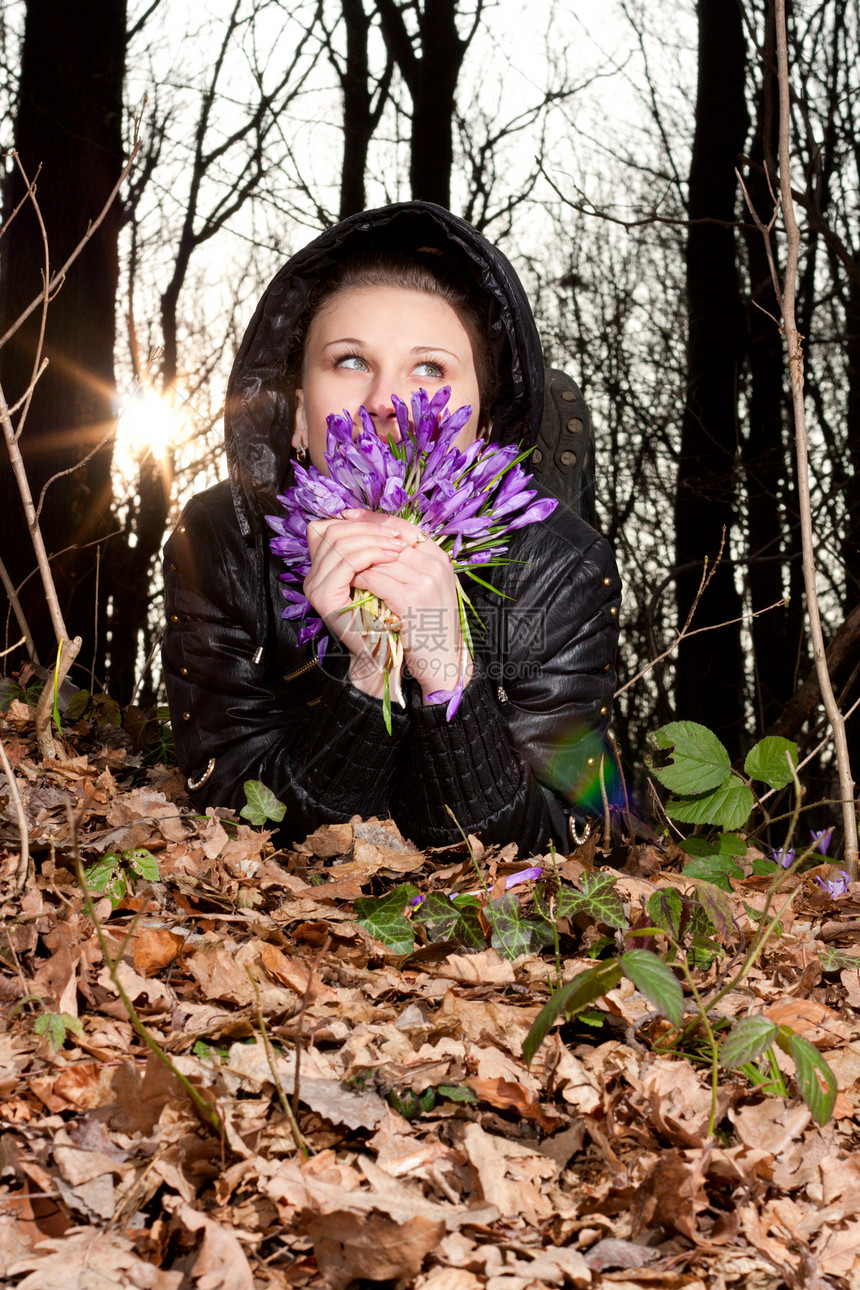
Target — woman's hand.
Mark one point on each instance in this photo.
(342, 552)
(419, 586)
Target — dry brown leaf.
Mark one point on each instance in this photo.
(328, 1097)
(371, 1247)
(155, 948)
(815, 1022)
(679, 1102)
(511, 1175)
(90, 1261)
(294, 973)
(485, 968)
(510, 1095)
(770, 1125)
(221, 1263)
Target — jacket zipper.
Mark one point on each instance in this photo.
(300, 671)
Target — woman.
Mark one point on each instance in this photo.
(385, 303)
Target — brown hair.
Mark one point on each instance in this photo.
(429, 274)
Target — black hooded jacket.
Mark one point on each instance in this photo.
(520, 758)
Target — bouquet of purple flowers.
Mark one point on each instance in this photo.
(467, 502)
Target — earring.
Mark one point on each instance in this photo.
(302, 453)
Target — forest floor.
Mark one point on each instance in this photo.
(423, 1150)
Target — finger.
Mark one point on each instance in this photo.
(338, 532)
(337, 566)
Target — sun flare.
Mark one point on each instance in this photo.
(149, 424)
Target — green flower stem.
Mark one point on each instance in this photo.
(206, 1112)
(481, 879)
(712, 1041)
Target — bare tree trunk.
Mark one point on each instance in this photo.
(69, 122)
(709, 684)
(767, 456)
(430, 67)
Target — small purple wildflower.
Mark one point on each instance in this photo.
(835, 886)
(524, 875)
(783, 858)
(467, 502)
(821, 838)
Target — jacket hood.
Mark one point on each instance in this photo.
(258, 418)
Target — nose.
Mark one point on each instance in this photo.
(381, 409)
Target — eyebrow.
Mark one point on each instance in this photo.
(416, 349)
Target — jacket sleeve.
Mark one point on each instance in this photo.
(319, 744)
(522, 754)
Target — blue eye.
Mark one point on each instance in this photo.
(434, 371)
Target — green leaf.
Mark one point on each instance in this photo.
(106, 877)
(55, 1026)
(77, 705)
(729, 805)
(98, 875)
(513, 934)
(763, 868)
(456, 1093)
(718, 870)
(718, 909)
(665, 908)
(601, 901)
(815, 1079)
(835, 960)
(261, 804)
(447, 921)
(143, 863)
(746, 1041)
(724, 844)
(383, 918)
(699, 761)
(571, 999)
(768, 760)
(656, 980)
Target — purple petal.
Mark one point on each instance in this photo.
(524, 875)
(821, 838)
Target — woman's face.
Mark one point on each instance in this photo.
(372, 342)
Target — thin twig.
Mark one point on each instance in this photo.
(22, 873)
(298, 1136)
(795, 368)
(18, 611)
(57, 279)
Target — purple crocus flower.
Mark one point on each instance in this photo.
(835, 886)
(783, 858)
(467, 502)
(821, 839)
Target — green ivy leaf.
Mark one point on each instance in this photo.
(699, 761)
(55, 1026)
(601, 901)
(656, 980)
(717, 870)
(768, 760)
(835, 960)
(447, 921)
(383, 918)
(665, 908)
(261, 804)
(746, 1041)
(729, 805)
(143, 863)
(815, 1079)
(514, 934)
(571, 999)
